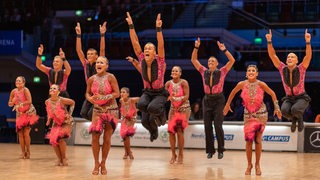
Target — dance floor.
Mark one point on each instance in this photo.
(153, 163)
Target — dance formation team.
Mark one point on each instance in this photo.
(101, 107)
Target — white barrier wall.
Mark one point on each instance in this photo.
(275, 137)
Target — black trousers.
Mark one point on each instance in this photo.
(213, 112)
(293, 107)
(152, 105)
(86, 110)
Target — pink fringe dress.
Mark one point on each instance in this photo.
(128, 113)
(179, 111)
(26, 115)
(106, 109)
(62, 125)
(255, 111)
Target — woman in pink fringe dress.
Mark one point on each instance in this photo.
(57, 112)
(102, 91)
(255, 113)
(179, 112)
(128, 112)
(21, 101)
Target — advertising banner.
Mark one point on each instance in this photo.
(312, 139)
(11, 42)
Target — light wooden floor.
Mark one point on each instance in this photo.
(153, 163)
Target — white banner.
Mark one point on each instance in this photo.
(275, 137)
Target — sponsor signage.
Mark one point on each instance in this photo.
(11, 42)
(312, 139)
(277, 138)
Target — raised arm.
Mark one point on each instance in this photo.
(135, 63)
(308, 56)
(228, 54)
(269, 91)
(39, 64)
(272, 53)
(160, 40)
(236, 89)
(194, 56)
(65, 62)
(80, 53)
(133, 36)
(103, 30)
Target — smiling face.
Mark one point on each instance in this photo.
(57, 63)
(212, 63)
(54, 90)
(176, 72)
(20, 82)
(102, 65)
(252, 72)
(292, 60)
(124, 93)
(92, 55)
(149, 52)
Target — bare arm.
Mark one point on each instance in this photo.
(269, 91)
(272, 53)
(236, 89)
(11, 100)
(308, 56)
(161, 52)
(133, 36)
(135, 63)
(39, 64)
(194, 56)
(103, 30)
(28, 97)
(69, 102)
(115, 86)
(228, 54)
(135, 99)
(79, 44)
(185, 86)
(88, 90)
(65, 62)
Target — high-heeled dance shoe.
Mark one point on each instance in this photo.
(131, 155)
(96, 170)
(180, 159)
(21, 156)
(125, 156)
(258, 170)
(248, 171)
(27, 155)
(65, 162)
(173, 159)
(103, 170)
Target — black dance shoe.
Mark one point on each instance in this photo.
(209, 156)
(300, 126)
(153, 136)
(220, 155)
(293, 127)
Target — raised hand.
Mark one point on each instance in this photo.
(221, 46)
(269, 36)
(307, 36)
(78, 28)
(129, 19)
(159, 21)
(130, 59)
(103, 28)
(197, 43)
(40, 49)
(61, 53)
